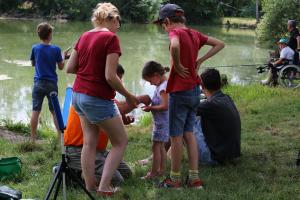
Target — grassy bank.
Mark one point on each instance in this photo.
(270, 143)
(237, 22)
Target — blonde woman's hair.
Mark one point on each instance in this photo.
(104, 11)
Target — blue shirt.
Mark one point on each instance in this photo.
(45, 58)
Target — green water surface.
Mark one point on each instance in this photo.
(139, 43)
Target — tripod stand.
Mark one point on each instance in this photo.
(63, 169)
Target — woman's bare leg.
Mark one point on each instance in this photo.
(115, 130)
(88, 153)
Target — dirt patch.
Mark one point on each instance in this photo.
(12, 136)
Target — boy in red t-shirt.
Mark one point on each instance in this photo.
(183, 86)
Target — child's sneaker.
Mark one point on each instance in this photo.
(169, 183)
(195, 184)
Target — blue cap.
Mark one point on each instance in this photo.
(283, 40)
(169, 10)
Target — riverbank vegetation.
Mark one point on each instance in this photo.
(236, 22)
(134, 10)
(270, 143)
(273, 24)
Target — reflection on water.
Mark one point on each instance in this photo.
(140, 43)
(22, 63)
(4, 77)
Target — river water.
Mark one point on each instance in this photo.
(140, 43)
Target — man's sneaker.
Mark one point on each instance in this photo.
(196, 184)
(169, 183)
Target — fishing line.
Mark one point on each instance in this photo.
(246, 65)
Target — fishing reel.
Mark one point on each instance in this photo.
(261, 69)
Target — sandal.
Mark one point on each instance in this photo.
(150, 176)
(145, 161)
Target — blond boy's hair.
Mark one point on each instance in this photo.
(44, 30)
(104, 11)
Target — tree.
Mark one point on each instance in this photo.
(273, 24)
(6, 5)
(198, 11)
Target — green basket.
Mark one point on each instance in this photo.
(9, 167)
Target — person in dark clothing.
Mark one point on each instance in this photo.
(220, 140)
(294, 41)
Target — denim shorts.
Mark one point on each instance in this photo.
(42, 88)
(204, 152)
(93, 108)
(182, 111)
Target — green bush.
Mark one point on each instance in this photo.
(273, 24)
(145, 120)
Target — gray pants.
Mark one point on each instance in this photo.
(73, 159)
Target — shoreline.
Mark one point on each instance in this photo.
(234, 22)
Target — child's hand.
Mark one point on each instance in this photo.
(66, 55)
(146, 108)
(145, 99)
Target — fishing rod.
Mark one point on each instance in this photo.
(67, 56)
(246, 65)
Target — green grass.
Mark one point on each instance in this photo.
(145, 120)
(44, 131)
(266, 170)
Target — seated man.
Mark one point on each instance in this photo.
(286, 57)
(73, 140)
(218, 131)
(294, 40)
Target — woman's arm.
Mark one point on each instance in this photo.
(114, 81)
(72, 65)
(125, 108)
(216, 44)
(298, 43)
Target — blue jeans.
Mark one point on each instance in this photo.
(42, 88)
(182, 111)
(203, 150)
(94, 108)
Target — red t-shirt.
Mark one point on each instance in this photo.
(93, 48)
(190, 43)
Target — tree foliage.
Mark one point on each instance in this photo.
(6, 5)
(198, 10)
(273, 24)
(132, 10)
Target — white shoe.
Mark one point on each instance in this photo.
(265, 82)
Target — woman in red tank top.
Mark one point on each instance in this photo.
(94, 61)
